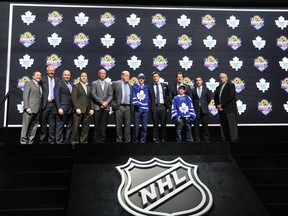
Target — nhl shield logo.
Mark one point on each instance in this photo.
(158, 187)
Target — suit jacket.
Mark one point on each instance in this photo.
(228, 99)
(45, 88)
(152, 96)
(32, 97)
(80, 99)
(203, 101)
(117, 94)
(99, 95)
(174, 91)
(63, 97)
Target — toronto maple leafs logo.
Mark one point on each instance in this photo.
(28, 18)
(141, 95)
(184, 108)
(26, 61)
(183, 21)
(133, 20)
(81, 19)
(54, 40)
(159, 41)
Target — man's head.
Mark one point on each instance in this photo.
(50, 71)
(66, 75)
(156, 76)
(179, 77)
(181, 89)
(83, 77)
(223, 78)
(141, 78)
(37, 76)
(198, 81)
(125, 76)
(102, 74)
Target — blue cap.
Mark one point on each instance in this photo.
(141, 75)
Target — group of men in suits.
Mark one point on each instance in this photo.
(64, 107)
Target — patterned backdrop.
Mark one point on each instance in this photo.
(249, 45)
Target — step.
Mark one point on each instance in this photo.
(34, 212)
(33, 198)
(18, 180)
(262, 161)
(35, 163)
(259, 148)
(266, 175)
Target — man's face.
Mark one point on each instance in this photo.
(37, 76)
(83, 78)
(66, 75)
(102, 74)
(141, 80)
(181, 91)
(179, 78)
(223, 78)
(125, 77)
(198, 81)
(50, 71)
(156, 78)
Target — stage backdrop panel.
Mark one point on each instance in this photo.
(249, 45)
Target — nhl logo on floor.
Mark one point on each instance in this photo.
(158, 187)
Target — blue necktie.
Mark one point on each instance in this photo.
(157, 94)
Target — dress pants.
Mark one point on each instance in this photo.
(201, 118)
(82, 119)
(101, 118)
(159, 115)
(48, 117)
(29, 128)
(63, 134)
(140, 118)
(183, 125)
(123, 116)
(228, 123)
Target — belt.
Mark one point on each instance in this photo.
(51, 101)
(125, 104)
(159, 105)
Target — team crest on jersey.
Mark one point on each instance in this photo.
(212, 108)
(81, 40)
(55, 18)
(158, 20)
(264, 106)
(257, 22)
(160, 62)
(21, 82)
(284, 84)
(54, 60)
(282, 42)
(107, 19)
(152, 187)
(208, 21)
(133, 41)
(260, 63)
(239, 84)
(107, 62)
(184, 41)
(234, 42)
(27, 39)
(211, 63)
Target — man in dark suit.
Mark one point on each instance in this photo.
(174, 88)
(48, 115)
(32, 94)
(159, 104)
(82, 103)
(201, 97)
(225, 101)
(121, 104)
(64, 107)
(102, 95)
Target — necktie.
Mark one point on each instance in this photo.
(157, 94)
(51, 89)
(199, 92)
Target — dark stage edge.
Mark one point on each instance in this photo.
(95, 180)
